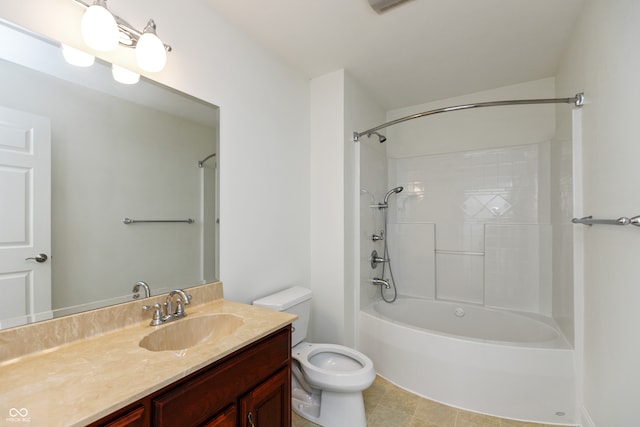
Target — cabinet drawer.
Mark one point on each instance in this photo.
(207, 392)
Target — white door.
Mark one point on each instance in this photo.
(25, 218)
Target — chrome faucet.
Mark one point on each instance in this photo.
(169, 315)
(136, 290)
(183, 299)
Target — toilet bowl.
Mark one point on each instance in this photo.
(334, 367)
(327, 379)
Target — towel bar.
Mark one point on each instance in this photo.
(623, 220)
(133, 221)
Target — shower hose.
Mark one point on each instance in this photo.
(384, 264)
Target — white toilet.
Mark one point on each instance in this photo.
(328, 379)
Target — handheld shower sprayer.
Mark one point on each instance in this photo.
(390, 192)
(385, 203)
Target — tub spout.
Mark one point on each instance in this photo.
(383, 282)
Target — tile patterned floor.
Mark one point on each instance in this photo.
(389, 406)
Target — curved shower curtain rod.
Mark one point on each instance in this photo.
(577, 100)
(201, 162)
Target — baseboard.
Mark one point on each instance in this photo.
(585, 419)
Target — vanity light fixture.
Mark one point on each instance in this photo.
(98, 32)
(99, 27)
(150, 51)
(124, 76)
(77, 57)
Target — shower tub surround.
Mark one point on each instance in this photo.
(474, 227)
(471, 240)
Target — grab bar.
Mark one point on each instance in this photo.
(133, 221)
(623, 220)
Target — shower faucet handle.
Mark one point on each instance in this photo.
(375, 259)
(377, 237)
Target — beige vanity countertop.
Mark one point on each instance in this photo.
(82, 381)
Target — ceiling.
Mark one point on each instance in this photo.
(420, 51)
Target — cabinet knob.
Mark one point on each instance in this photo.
(250, 419)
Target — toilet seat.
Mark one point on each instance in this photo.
(339, 368)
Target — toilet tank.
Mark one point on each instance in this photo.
(296, 300)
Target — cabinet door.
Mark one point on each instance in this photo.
(204, 394)
(134, 418)
(269, 404)
(227, 418)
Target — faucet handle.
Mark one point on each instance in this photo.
(180, 308)
(180, 305)
(157, 313)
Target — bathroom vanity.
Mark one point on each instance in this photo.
(92, 368)
(250, 387)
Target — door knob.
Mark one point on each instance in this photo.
(39, 258)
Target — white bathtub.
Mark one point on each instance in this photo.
(490, 361)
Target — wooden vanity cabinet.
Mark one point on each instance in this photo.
(251, 387)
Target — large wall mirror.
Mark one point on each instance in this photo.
(116, 151)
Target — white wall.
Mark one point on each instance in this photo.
(373, 186)
(603, 61)
(366, 178)
(339, 106)
(475, 128)
(264, 125)
(327, 209)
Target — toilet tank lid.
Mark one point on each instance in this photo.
(285, 299)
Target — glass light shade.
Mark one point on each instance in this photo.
(99, 29)
(77, 57)
(124, 76)
(150, 53)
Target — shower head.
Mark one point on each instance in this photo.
(390, 192)
(382, 138)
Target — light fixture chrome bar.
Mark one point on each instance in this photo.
(623, 220)
(135, 221)
(577, 100)
(132, 35)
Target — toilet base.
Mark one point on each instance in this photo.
(330, 409)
